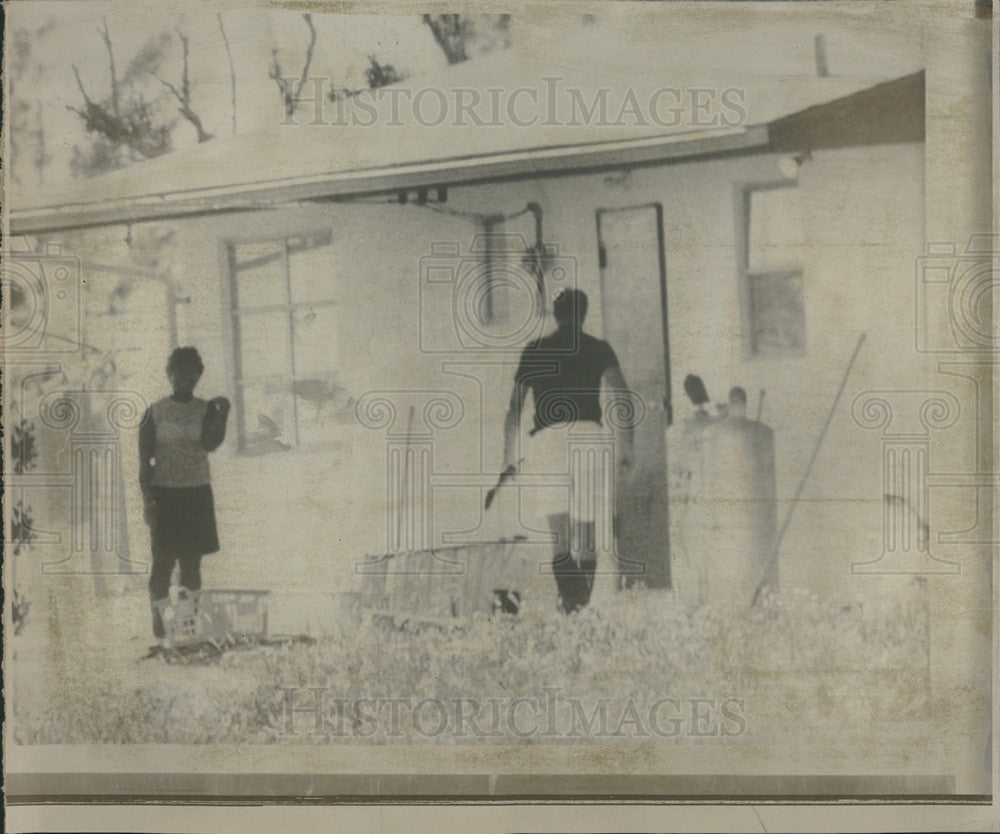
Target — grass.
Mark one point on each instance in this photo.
(796, 666)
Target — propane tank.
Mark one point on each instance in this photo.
(722, 508)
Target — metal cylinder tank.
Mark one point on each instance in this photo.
(722, 509)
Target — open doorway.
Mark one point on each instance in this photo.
(634, 314)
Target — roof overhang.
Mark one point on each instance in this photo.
(344, 184)
(289, 165)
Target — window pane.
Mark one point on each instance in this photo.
(775, 230)
(312, 268)
(290, 392)
(265, 346)
(324, 409)
(526, 297)
(777, 308)
(315, 341)
(510, 291)
(268, 420)
(266, 364)
(260, 274)
(322, 403)
(504, 274)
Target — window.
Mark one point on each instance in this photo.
(777, 311)
(514, 288)
(285, 329)
(510, 268)
(493, 295)
(774, 285)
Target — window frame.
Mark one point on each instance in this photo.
(745, 276)
(324, 237)
(494, 232)
(773, 351)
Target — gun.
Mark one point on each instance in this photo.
(505, 476)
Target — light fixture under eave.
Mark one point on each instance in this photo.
(790, 163)
(789, 167)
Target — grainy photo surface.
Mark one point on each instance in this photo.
(542, 403)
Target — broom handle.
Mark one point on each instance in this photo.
(809, 466)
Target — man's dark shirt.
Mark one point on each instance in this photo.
(563, 371)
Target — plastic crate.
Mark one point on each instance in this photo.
(217, 617)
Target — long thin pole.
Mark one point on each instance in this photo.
(808, 470)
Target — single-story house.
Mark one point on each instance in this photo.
(361, 292)
(332, 277)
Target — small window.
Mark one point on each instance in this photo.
(513, 268)
(285, 337)
(493, 295)
(777, 313)
(512, 285)
(774, 281)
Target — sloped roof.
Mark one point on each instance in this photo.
(400, 150)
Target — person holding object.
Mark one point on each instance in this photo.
(566, 372)
(175, 437)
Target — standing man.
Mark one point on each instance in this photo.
(566, 372)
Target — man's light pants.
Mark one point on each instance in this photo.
(566, 486)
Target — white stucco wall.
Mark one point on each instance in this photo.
(863, 230)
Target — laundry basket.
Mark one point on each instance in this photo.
(217, 617)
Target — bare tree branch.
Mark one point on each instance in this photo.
(449, 32)
(90, 107)
(134, 130)
(460, 35)
(290, 95)
(309, 55)
(287, 101)
(79, 83)
(232, 69)
(170, 87)
(185, 80)
(183, 95)
(106, 37)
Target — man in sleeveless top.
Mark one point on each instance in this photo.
(565, 372)
(175, 437)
